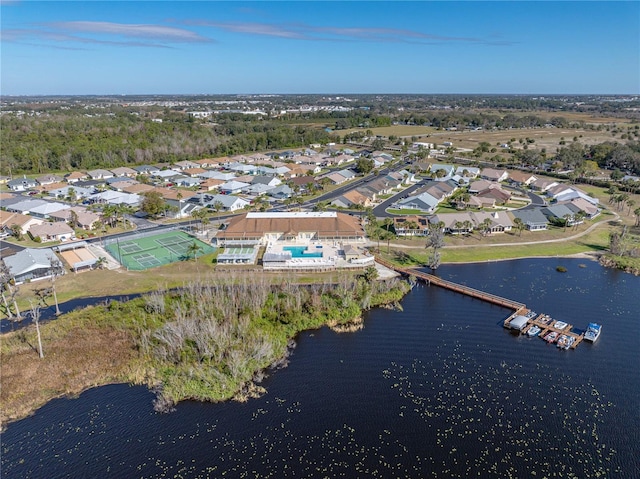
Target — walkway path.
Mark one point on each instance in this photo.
(521, 243)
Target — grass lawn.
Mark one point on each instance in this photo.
(405, 211)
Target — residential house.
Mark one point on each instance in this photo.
(43, 211)
(85, 219)
(24, 206)
(146, 170)
(30, 264)
(193, 172)
(217, 175)
(167, 176)
(447, 171)
(116, 198)
(543, 185)
(210, 184)
(468, 171)
(22, 184)
(281, 192)
(184, 165)
(480, 185)
(496, 193)
(211, 162)
(51, 186)
(175, 194)
(500, 221)
(298, 171)
(75, 176)
(532, 218)
(8, 219)
(520, 178)
(72, 192)
(242, 168)
(266, 180)
(336, 178)
(225, 202)
(56, 231)
(231, 187)
(137, 188)
(348, 174)
(100, 174)
(456, 223)
(564, 192)
(589, 210)
(559, 214)
(423, 202)
(187, 182)
(351, 199)
(411, 225)
(124, 171)
(257, 189)
(303, 182)
(492, 174)
(120, 182)
(49, 179)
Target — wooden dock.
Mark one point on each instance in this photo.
(543, 321)
(475, 293)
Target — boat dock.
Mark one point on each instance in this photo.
(543, 321)
(475, 293)
(548, 324)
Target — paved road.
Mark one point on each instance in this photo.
(380, 211)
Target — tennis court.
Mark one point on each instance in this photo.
(156, 250)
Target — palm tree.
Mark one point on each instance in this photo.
(16, 231)
(486, 226)
(519, 224)
(637, 213)
(193, 249)
(179, 196)
(630, 204)
(108, 214)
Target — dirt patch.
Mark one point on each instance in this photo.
(81, 358)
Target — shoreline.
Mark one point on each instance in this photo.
(591, 256)
(112, 344)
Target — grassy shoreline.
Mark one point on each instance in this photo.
(132, 342)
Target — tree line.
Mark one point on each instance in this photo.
(59, 142)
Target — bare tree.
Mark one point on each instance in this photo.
(7, 284)
(35, 316)
(57, 269)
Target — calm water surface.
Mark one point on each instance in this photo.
(437, 390)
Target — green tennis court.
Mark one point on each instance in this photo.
(157, 250)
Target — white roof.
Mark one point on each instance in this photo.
(518, 322)
(49, 208)
(29, 259)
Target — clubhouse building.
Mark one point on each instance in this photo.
(295, 240)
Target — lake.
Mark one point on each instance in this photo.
(439, 389)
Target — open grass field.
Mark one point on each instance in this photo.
(548, 138)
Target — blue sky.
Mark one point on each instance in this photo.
(135, 47)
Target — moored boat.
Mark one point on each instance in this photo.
(533, 331)
(593, 332)
(560, 325)
(565, 341)
(551, 337)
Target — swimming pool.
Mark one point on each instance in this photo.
(301, 252)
